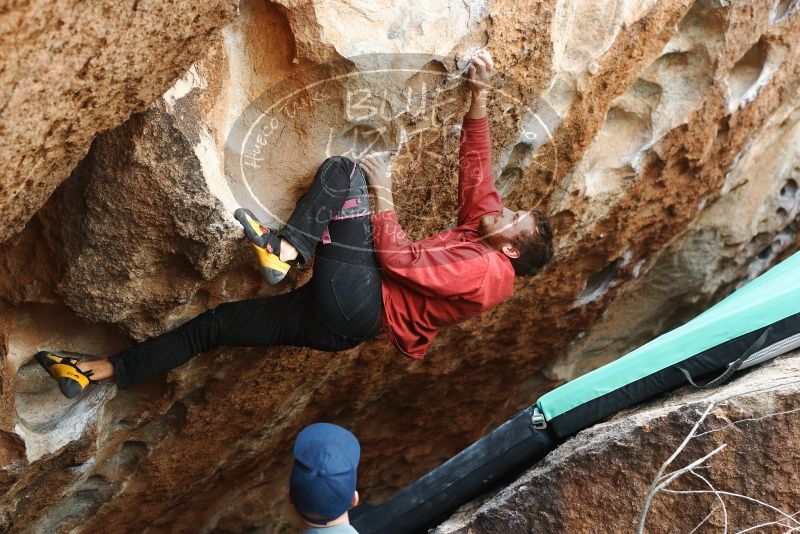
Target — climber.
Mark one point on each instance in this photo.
(322, 485)
(367, 275)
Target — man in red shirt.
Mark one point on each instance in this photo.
(367, 275)
(458, 274)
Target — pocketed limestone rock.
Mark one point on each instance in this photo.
(70, 72)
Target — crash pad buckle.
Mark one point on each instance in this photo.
(537, 419)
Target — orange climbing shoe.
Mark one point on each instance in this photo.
(272, 269)
(63, 367)
(266, 244)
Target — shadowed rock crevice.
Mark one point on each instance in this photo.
(79, 507)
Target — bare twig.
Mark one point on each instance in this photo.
(678, 472)
(662, 480)
(779, 522)
(740, 496)
(719, 498)
(747, 420)
(701, 523)
(654, 487)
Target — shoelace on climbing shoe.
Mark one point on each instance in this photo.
(258, 234)
(267, 247)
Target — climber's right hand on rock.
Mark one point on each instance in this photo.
(376, 169)
(479, 72)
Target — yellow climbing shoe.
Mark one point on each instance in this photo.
(63, 367)
(266, 244)
(271, 267)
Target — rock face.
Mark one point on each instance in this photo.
(661, 137)
(724, 460)
(71, 71)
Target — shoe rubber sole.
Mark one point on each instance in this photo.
(272, 269)
(251, 225)
(61, 367)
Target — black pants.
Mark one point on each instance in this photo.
(337, 309)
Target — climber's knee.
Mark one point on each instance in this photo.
(335, 173)
(339, 163)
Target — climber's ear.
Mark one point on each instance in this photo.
(511, 251)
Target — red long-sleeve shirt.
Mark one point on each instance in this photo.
(449, 277)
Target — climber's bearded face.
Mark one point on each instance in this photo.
(501, 228)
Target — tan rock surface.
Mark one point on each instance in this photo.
(602, 480)
(73, 70)
(661, 137)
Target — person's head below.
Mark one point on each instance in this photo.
(524, 236)
(322, 486)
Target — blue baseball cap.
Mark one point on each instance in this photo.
(323, 478)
